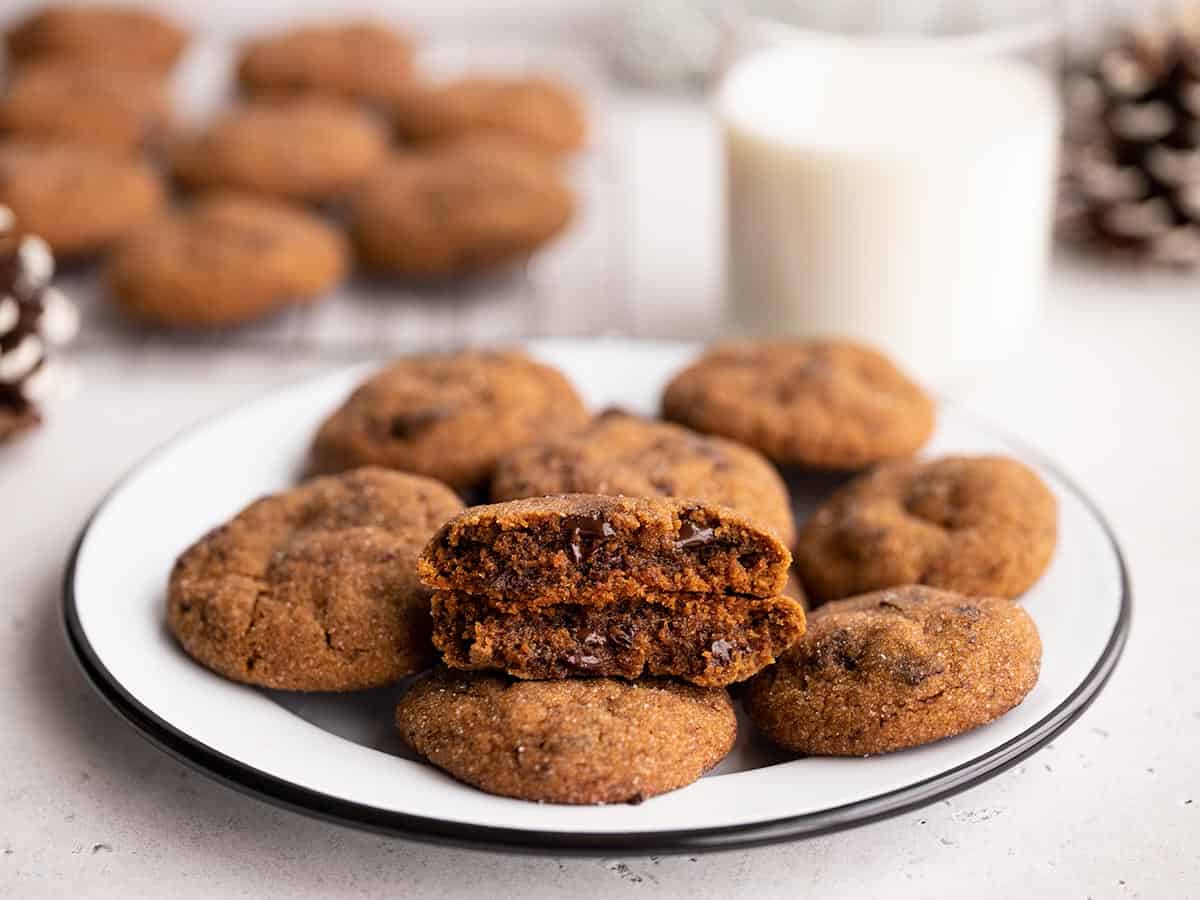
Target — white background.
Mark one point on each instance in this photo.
(1111, 809)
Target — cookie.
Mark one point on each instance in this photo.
(980, 525)
(225, 260)
(538, 112)
(458, 209)
(896, 669)
(581, 741)
(303, 149)
(594, 549)
(314, 589)
(79, 200)
(815, 404)
(618, 453)
(448, 415)
(711, 640)
(360, 60)
(119, 110)
(122, 36)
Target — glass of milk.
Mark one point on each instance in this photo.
(892, 179)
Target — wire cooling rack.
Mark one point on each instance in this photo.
(574, 286)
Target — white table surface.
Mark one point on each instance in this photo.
(1110, 809)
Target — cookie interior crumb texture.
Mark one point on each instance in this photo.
(980, 525)
(577, 741)
(315, 588)
(896, 669)
(708, 639)
(594, 549)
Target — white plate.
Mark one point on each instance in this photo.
(337, 757)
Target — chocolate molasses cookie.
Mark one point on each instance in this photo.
(540, 113)
(314, 589)
(119, 110)
(448, 415)
(361, 60)
(816, 404)
(224, 260)
(582, 741)
(895, 669)
(982, 525)
(123, 36)
(458, 209)
(595, 549)
(618, 453)
(79, 200)
(303, 149)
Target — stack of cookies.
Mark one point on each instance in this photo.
(581, 629)
(595, 588)
(338, 152)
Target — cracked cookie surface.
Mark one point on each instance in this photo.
(980, 525)
(821, 404)
(448, 415)
(537, 112)
(360, 60)
(579, 741)
(308, 149)
(896, 669)
(461, 208)
(225, 260)
(315, 588)
(619, 453)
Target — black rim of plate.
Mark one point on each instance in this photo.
(282, 793)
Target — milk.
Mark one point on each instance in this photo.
(893, 195)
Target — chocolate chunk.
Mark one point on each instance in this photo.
(691, 535)
(585, 527)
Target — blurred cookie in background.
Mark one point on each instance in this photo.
(303, 149)
(360, 60)
(536, 111)
(225, 260)
(125, 36)
(120, 110)
(469, 206)
(78, 199)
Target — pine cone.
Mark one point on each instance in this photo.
(1131, 167)
(33, 318)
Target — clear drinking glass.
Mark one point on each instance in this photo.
(891, 170)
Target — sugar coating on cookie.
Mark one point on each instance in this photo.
(360, 60)
(579, 741)
(115, 35)
(314, 589)
(896, 669)
(981, 525)
(538, 112)
(120, 110)
(825, 404)
(595, 549)
(225, 260)
(79, 200)
(619, 453)
(711, 640)
(458, 209)
(304, 149)
(448, 415)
